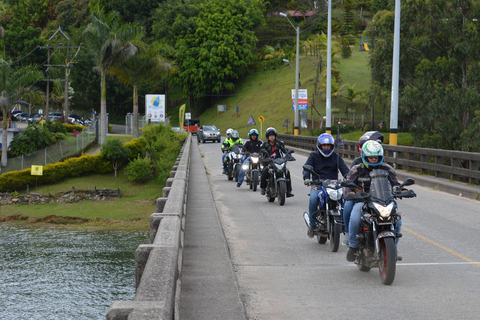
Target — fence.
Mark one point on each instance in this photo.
(52, 153)
(142, 121)
(454, 165)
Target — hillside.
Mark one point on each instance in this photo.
(268, 94)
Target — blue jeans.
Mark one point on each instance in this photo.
(241, 174)
(355, 225)
(313, 204)
(347, 210)
(223, 162)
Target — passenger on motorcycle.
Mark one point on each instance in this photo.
(347, 207)
(273, 148)
(251, 146)
(228, 143)
(327, 163)
(225, 146)
(372, 158)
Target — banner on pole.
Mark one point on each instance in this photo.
(302, 99)
(250, 122)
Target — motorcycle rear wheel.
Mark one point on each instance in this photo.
(255, 180)
(335, 231)
(282, 190)
(388, 260)
(321, 240)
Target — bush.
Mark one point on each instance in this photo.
(114, 152)
(139, 170)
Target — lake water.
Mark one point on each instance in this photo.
(60, 273)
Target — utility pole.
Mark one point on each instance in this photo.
(67, 71)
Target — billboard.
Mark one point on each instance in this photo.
(155, 107)
(302, 99)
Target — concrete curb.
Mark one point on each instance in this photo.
(158, 265)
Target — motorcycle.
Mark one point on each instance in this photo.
(329, 215)
(380, 215)
(277, 180)
(252, 171)
(234, 161)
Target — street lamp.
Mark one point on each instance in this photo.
(295, 124)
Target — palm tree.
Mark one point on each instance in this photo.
(351, 95)
(146, 63)
(13, 83)
(113, 43)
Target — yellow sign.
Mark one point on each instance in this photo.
(37, 170)
(261, 119)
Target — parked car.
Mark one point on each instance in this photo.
(208, 133)
(177, 129)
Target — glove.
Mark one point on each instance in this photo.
(306, 182)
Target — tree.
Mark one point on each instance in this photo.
(145, 63)
(351, 95)
(215, 47)
(114, 152)
(12, 84)
(112, 44)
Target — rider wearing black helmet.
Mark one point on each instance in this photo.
(251, 146)
(274, 149)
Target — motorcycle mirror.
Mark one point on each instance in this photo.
(308, 168)
(349, 184)
(408, 182)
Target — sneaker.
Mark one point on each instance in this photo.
(310, 232)
(345, 240)
(262, 191)
(351, 254)
(239, 184)
(289, 195)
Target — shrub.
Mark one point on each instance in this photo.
(139, 170)
(114, 152)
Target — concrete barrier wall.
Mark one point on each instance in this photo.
(158, 265)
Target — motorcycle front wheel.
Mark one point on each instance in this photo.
(335, 231)
(230, 173)
(282, 190)
(388, 260)
(255, 181)
(237, 172)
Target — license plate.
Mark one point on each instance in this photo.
(212, 136)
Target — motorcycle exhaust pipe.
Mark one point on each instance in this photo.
(306, 218)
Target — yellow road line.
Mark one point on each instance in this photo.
(440, 246)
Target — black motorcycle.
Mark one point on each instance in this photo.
(277, 180)
(329, 214)
(252, 171)
(380, 216)
(234, 161)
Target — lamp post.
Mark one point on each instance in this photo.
(297, 77)
(328, 123)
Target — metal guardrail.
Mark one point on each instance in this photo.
(453, 165)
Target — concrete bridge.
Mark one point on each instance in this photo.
(222, 252)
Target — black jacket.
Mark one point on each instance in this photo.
(275, 150)
(252, 146)
(327, 167)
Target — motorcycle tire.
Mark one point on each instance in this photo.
(321, 240)
(388, 260)
(363, 267)
(282, 190)
(255, 181)
(335, 231)
(237, 172)
(230, 174)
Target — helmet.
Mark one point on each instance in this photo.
(370, 135)
(372, 149)
(229, 131)
(235, 135)
(325, 138)
(270, 131)
(253, 132)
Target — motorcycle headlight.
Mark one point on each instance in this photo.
(385, 211)
(245, 167)
(279, 166)
(238, 156)
(254, 159)
(334, 194)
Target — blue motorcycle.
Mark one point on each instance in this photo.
(329, 215)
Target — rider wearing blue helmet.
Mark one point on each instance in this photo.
(326, 163)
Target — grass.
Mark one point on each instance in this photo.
(268, 94)
(131, 212)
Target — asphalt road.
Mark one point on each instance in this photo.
(282, 274)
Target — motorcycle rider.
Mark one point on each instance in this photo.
(251, 146)
(225, 146)
(327, 163)
(274, 148)
(228, 143)
(372, 158)
(348, 205)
